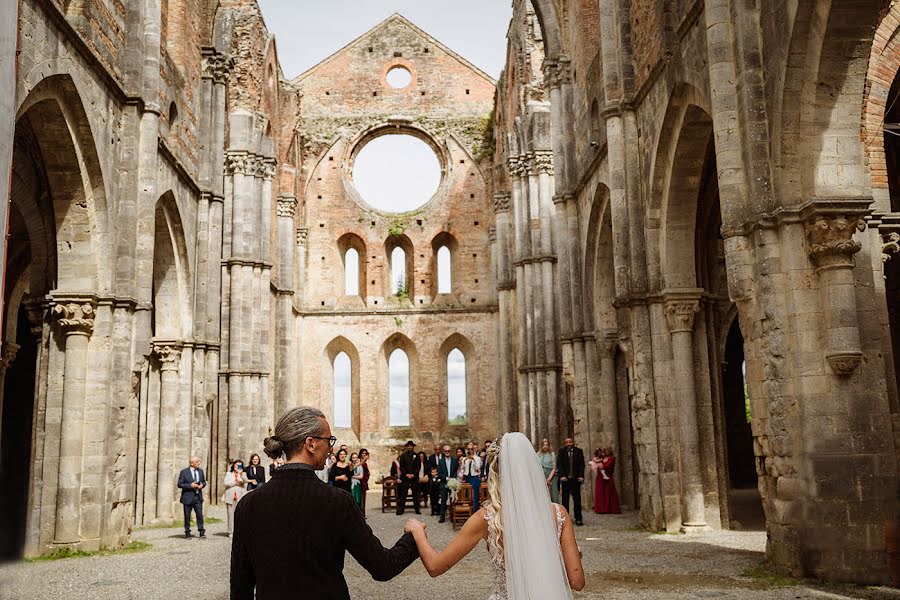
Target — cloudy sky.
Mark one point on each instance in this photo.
(308, 31)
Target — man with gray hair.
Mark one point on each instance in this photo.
(296, 529)
(191, 481)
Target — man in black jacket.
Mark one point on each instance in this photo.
(434, 487)
(408, 478)
(290, 535)
(570, 467)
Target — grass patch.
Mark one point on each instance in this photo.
(179, 523)
(61, 553)
(766, 579)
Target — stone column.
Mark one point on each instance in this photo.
(506, 288)
(681, 306)
(831, 248)
(286, 209)
(75, 320)
(168, 353)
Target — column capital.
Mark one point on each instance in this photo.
(607, 343)
(501, 202)
(557, 72)
(217, 66)
(681, 306)
(74, 313)
(302, 235)
(540, 162)
(36, 310)
(8, 354)
(517, 165)
(829, 239)
(168, 352)
(890, 244)
(287, 206)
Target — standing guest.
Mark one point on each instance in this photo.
(460, 455)
(325, 473)
(356, 479)
(256, 474)
(570, 468)
(606, 497)
(472, 473)
(235, 488)
(274, 466)
(191, 481)
(448, 466)
(484, 461)
(434, 489)
(340, 472)
(395, 468)
(408, 473)
(364, 459)
(548, 463)
(424, 477)
(291, 535)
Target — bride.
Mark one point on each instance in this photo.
(531, 541)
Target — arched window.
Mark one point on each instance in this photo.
(343, 391)
(398, 375)
(456, 388)
(445, 277)
(399, 284)
(351, 272)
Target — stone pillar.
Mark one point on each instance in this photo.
(286, 209)
(507, 392)
(681, 306)
(608, 417)
(168, 353)
(75, 320)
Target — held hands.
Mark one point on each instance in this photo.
(414, 525)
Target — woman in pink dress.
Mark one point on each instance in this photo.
(606, 498)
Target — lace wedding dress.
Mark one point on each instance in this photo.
(497, 563)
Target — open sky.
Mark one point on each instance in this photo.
(308, 31)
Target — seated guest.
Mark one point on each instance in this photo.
(291, 535)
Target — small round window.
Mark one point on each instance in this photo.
(399, 77)
(396, 173)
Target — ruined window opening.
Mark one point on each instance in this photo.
(398, 272)
(398, 393)
(396, 172)
(457, 412)
(399, 77)
(467, 92)
(351, 272)
(343, 390)
(444, 270)
(173, 116)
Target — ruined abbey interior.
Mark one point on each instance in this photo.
(669, 228)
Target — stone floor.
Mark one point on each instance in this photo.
(620, 562)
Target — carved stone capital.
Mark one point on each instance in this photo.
(540, 163)
(890, 244)
(501, 202)
(287, 206)
(239, 163)
(844, 363)
(557, 72)
(830, 240)
(517, 166)
(607, 344)
(681, 306)
(168, 354)
(217, 66)
(74, 316)
(8, 354)
(302, 235)
(264, 168)
(36, 310)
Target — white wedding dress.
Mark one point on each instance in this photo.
(530, 565)
(497, 565)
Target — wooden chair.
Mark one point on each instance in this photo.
(461, 510)
(483, 494)
(388, 495)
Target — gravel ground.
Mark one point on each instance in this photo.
(620, 562)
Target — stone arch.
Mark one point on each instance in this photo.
(76, 188)
(353, 241)
(599, 269)
(464, 345)
(818, 152)
(398, 341)
(336, 346)
(172, 319)
(545, 10)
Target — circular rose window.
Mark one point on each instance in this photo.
(396, 173)
(399, 77)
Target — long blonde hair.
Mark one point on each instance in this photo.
(495, 535)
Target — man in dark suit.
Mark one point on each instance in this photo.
(570, 467)
(448, 465)
(409, 478)
(434, 488)
(191, 481)
(290, 535)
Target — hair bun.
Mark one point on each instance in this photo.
(273, 447)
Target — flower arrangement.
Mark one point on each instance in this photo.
(454, 485)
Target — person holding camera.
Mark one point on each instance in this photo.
(472, 473)
(235, 488)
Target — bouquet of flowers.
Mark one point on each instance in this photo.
(454, 485)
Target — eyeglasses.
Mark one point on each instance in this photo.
(331, 440)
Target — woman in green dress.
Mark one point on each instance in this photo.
(548, 462)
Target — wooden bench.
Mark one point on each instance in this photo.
(389, 489)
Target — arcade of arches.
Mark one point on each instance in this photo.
(668, 228)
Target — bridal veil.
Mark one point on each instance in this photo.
(532, 555)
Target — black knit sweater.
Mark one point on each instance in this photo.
(290, 536)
